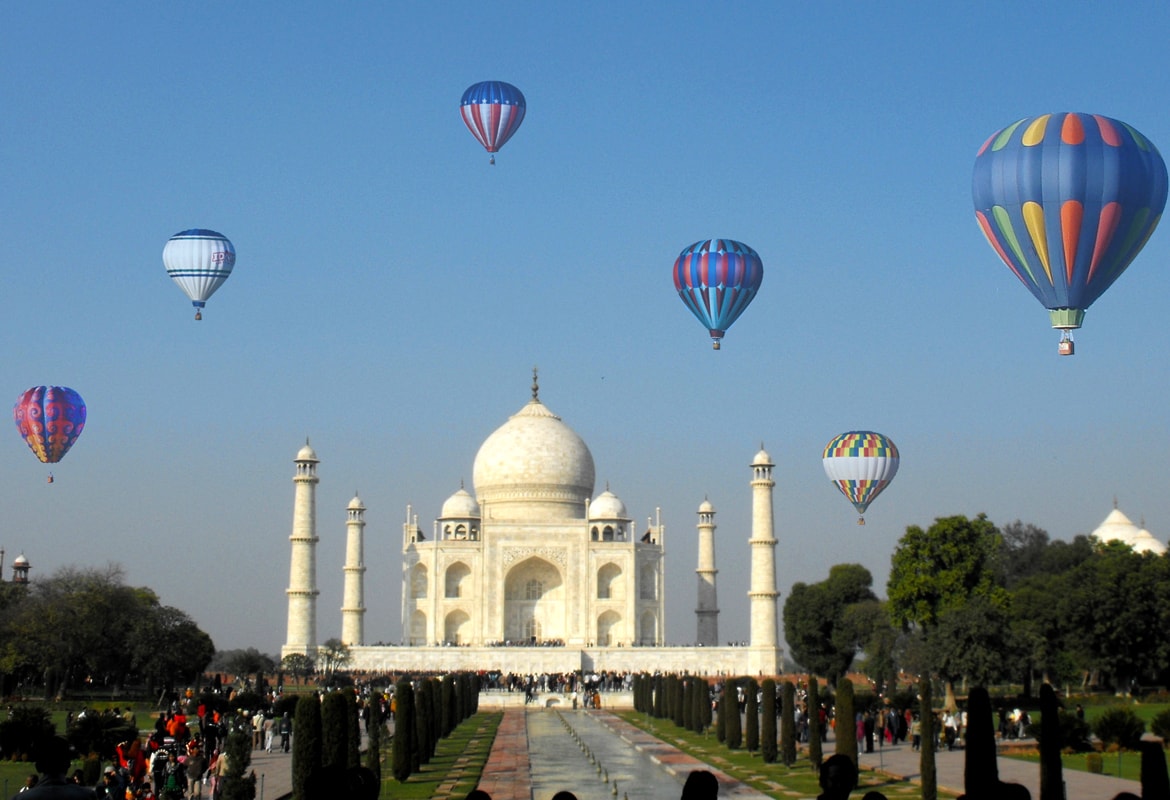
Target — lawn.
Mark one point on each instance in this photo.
(455, 769)
(774, 780)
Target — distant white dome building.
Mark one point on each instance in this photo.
(1118, 528)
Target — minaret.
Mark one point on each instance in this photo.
(353, 610)
(302, 577)
(707, 612)
(764, 655)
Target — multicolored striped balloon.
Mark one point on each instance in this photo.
(717, 279)
(1067, 201)
(861, 464)
(199, 261)
(49, 418)
(492, 111)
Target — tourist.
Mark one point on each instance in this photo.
(53, 759)
(701, 784)
(838, 777)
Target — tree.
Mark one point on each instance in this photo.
(752, 716)
(249, 663)
(926, 763)
(375, 727)
(814, 619)
(404, 748)
(788, 723)
(306, 747)
(941, 569)
(333, 655)
(1022, 548)
(768, 716)
(732, 718)
(237, 783)
(334, 731)
(814, 723)
(299, 665)
(866, 625)
(846, 730)
(974, 642)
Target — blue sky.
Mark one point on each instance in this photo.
(392, 290)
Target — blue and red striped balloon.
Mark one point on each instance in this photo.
(717, 279)
(492, 111)
(1067, 201)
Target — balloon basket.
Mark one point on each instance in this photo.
(861, 520)
(1066, 347)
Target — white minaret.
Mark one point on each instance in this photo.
(764, 655)
(302, 576)
(353, 610)
(707, 612)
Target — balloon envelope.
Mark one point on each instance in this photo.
(492, 111)
(199, 261)
(49, 418)
(717, 279)
(861, 464)
(1067, 200)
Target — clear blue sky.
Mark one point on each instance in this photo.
(392, 291)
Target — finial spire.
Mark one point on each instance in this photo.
(535, 386)
(1114, 502)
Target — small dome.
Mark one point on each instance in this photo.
(460, 505)
(20, 561)
(356, 503)
(607, 505)
(1118, 528)
(306, 453)
(706, 508)
(762, 459)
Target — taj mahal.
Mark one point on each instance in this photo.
(530, 572)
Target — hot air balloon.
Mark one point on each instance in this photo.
(492, 111)
(861, 464)
(717, 279)
(199, 261)
(49, 418)
(1067, 201)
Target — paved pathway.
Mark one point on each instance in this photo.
(902, 761)
(273, 774)
(522, 768)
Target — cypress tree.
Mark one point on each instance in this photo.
(436, 714)
(1051, 766)
(926, 766)
(752, 717)
(237, 784)
(659, 700)
(375, 725)
(788, 724)
(734, 725)
(448, 704)
(306, 746)
(422, 721)
(721, 715)
(846, 726)
(980, 769)
(688, 715)
(334, 731)
(701, 714)
(353, 756)
(814, 722)
(768, 715)
(679, 702)
(403, 731)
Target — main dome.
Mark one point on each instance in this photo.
(534, 467)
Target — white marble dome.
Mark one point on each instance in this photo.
(1118, 528)
(460, 505)
(306, 453)
(608, 505)
(356, 504)
(534, 467)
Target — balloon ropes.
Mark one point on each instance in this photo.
(199, 261)
(492, 111)
(717, 279)
(49, 419)
(861, 464)
(1067, 201)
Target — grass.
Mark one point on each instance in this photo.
(774, 780)
(1129, 766)
(456, 767)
